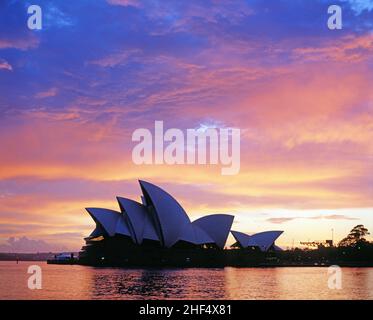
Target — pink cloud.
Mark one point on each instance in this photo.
(117, 58)
(279, 220)
(348, 49)
(47, 94)
(21, 44)
(125, 3)
(4, 65)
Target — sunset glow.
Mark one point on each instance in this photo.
(73, 93)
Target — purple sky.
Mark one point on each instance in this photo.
(73, 93)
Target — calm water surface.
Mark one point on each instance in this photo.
(80, 282)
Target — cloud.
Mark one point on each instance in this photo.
(334, 217)
(55, 17)
(118, 58)
(360, 5)
(300, 94)
(46, 94)
(20, 43)
(281, 220)
(350, 48)
(67, 234)
(179, 16)
(25, 245)
(4, 65)
(125, 3)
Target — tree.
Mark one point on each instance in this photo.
(356, 236)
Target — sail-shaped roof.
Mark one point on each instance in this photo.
(122, 227)
(136, 214)
(169, 215)
(97, 232)
(161, 218)
(193, 234)
(263, 240)
(107, 219)
(217, 226)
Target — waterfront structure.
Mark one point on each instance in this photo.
(264, 241)
(158, 231)
(159, 218)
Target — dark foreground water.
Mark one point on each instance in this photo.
(79, 282)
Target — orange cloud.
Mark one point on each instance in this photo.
(347, 49)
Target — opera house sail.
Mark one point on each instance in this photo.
(158, 232)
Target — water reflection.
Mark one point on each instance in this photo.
(252, 283)
(358, 283)
(79, 282)
(159, 284)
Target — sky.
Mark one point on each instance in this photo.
(73, 93)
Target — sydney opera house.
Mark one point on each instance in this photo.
(158, 232)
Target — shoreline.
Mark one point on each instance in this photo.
(264, 265)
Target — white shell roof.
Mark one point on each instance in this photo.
(161, 219)
(241, 238)
(217, 226)
(97, 232)
(263, 240)
(139, 220)
(106, 218)
(136, 214)
(169, 213)
(194, 234)
(122, 227)
(149, 230)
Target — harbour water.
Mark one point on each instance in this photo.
(81, 282)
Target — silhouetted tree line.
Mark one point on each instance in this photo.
(355, 237)
(354, 249)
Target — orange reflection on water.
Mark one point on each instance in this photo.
(80, 282)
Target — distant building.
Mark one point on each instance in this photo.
(64, 256)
